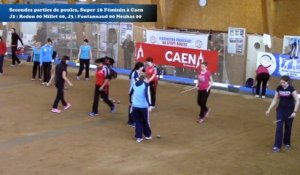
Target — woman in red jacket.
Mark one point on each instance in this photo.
(2, 53)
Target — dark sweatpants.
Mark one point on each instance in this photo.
(153, 86)
(283, 115)
(59, 96)
(104, 96)
(263, 79)
(46, 71)
(142, 123)
(14, 55)
(36, 68)
(84, 64)
(202, 100)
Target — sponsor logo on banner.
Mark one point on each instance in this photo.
(177, 56)
(188, 40)
(280, 64)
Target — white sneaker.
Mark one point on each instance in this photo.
(87, 79)
(257, 96)
(78, 78)
(263, 96)
(54, 110)
(148, 138)
(67, 106)
(139, 140)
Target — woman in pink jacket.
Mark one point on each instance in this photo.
(262, 78)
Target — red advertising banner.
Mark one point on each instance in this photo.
(176, 56)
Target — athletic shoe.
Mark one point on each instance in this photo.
(131, 125)
(263, 96)
(139, 140)
(200, 120)
(40, 79)
(92, 114)
(207, 113)
(12, 65)
(113, 109)
(287, 147)
(148, 138)
(32, 79)
(257, 96)
(275, 150)
(44, 83)
(78, 78)
(54, 110)
(67, 106)
(87, 79)
(1, 74)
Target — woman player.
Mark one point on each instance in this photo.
(286, 112)
(102, 78)
(60, 78)
(2, 54)
(134, 77)
(151, 73)
(203, 84)
(36, 60)
(84, 57)
(141, 102)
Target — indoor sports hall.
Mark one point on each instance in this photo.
(235, 137)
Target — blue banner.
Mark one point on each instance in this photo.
(280, 64)
(78, 13)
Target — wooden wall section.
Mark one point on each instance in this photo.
(287, 17)
(216, 15)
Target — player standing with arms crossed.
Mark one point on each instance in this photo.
(203, 84)
(286, 112)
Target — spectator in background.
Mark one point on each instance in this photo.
(128, 49)
(41, 34)
(14, 46)
(2, 54)
(262, 77)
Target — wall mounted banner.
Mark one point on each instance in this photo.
(291, 46)
(236, 40)
(177, 56)
(176, 39)
(279, 64)
(78, 13)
